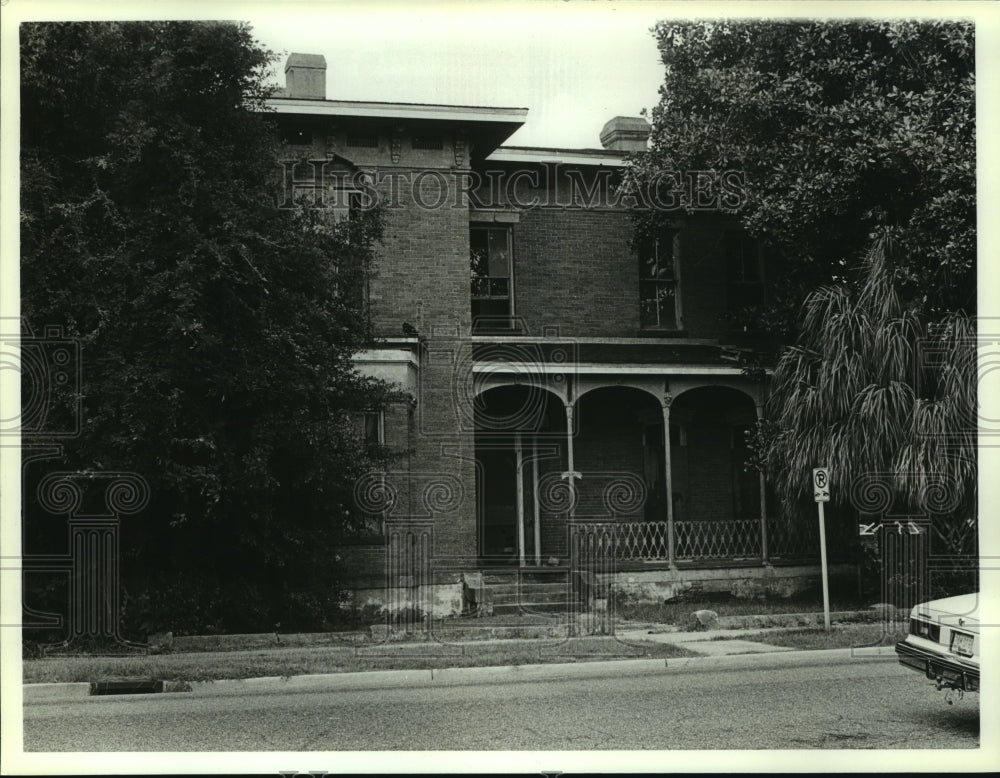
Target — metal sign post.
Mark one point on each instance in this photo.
(821, 493)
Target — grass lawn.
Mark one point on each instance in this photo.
(680, 612)
(303, 661)
(839, 636)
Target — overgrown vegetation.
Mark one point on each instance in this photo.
(216, 329)
(887, 400)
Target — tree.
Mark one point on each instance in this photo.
(885, 399)
(842, 131)
(870, 388)
(855, 143)
(216, 328)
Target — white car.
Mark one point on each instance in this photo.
(943, 642)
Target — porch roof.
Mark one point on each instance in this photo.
(571, 354)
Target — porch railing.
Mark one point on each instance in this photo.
(720, 539)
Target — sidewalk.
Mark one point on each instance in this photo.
(715, 648)
(714, 642)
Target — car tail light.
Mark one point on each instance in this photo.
(924, 629)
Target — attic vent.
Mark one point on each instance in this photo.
(362, 141)
(428, 142)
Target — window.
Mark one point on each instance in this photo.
(490, 265)
(374, 436)
(343, 204)
(744, 274)
(658, 283)
(374, 428)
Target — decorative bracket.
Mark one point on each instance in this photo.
(396, 144)
(461, 146)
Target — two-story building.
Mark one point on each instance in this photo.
(576, 401)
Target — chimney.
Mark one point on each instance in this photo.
(305, 76)
(625, 133)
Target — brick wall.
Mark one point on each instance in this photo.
(574, 270)
(574, 267)
(422, 271)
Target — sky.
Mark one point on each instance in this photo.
(574, 66)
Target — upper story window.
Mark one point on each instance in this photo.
(744, 270)
(492, 276)
(659, 283)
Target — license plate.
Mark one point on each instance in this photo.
(961, 643)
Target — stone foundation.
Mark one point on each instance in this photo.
(657, 586)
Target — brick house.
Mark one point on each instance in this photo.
(575, 406)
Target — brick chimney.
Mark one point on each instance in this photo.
(625, 133)
(305, 76)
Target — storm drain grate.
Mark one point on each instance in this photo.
(125, 687)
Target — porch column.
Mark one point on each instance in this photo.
(519, 470)
(534, 495)
(667, 399)
(570, 473)
(763, 504)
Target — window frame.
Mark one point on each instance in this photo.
(740, 281)
(671, 236)
(375, 522)
(491, 323)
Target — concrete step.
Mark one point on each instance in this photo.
(531, 607)
(528, 590)
(528, 632)
(524, 576)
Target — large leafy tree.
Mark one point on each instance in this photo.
(841, 131)
(216, 328)
(855, 142)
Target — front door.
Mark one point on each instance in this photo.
(507, 503)
(497, 504)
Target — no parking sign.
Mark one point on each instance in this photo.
(821, 493)
(821, 484)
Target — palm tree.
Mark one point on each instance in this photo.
(883, 392)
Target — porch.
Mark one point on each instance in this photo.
(655, 464)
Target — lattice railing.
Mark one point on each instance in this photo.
(717, 539)
(641, 539)
(720, 539)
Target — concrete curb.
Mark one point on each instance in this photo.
(55, 692)
(456, 676)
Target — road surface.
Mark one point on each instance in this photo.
(866, 703)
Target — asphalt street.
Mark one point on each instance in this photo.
(863, 703)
